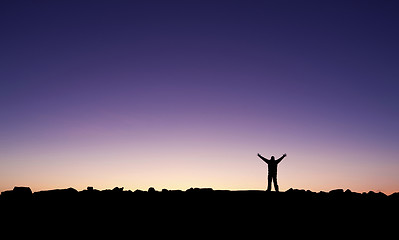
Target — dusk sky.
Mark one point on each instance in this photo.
(180, 94)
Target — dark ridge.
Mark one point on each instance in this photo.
(196, 213)
(25, 194)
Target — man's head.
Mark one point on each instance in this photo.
(272, 158)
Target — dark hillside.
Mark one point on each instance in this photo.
(200, 211)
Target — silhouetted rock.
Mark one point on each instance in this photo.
(302, 208)
(198, 190)
(299, 193)
(376, 196)
(394, 196)
(56, 194)
(193, 196)
(17, 194)
(116, 189)
(336, 192)
(290, 190)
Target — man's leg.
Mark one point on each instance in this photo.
(275, 182)
(269, 182)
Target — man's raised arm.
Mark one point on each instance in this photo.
(264, 159)
(281, 158)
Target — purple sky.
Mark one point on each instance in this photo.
(179, 94)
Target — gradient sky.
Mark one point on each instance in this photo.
(179, 94)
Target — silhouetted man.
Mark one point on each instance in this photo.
(272, 169)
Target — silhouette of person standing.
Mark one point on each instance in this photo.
(272, 170)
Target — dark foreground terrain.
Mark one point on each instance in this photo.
(201, 211)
